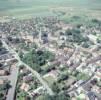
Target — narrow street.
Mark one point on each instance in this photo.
(33, 71)
(13, 80)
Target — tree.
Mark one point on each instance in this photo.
(62, 77)
(85, 45)
(2, 95)
(55, 88)
(74, 35)
(95, 21)
(21, 54)
(36, 59)
(7, 85)
(0, 43)
(45, 97)
(98, 40)
(62, 96)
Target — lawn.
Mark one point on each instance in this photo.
(50, 80)
(82, 76)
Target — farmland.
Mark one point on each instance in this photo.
(29, 8)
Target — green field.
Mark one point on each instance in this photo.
(28, 8)
(9, 4)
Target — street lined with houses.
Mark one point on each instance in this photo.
(47, 58)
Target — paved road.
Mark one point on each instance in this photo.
(84, 83)
(49, 90)
(40, 79)
(4, 77)
(12, 77)
(13, 80)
